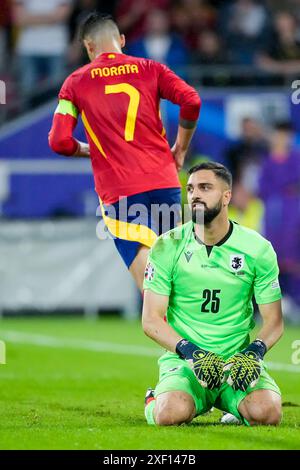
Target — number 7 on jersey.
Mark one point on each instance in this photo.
(134, 100)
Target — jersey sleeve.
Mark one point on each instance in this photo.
(159, 268)
(67, 90)
(67, 99)
(176, 90)
(60, 137)
(266, 283)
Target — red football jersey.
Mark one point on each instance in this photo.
(118, 98)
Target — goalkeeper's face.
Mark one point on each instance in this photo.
(207, 195)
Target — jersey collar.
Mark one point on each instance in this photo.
(221, 242)
(108, 55)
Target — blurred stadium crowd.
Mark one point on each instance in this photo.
(212, 44)
(226, 42)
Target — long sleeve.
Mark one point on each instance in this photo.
(176, 90)
(61, 138)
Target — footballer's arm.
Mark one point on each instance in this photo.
(272, 327)
(61, 138)
(207, 366)
(185, 133)
(176, 90)
(154, 309)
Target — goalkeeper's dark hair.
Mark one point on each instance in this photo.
(96, 22)
(217, 168)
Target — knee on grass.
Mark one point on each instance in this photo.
(265, 415)
(174, 411)
(262, 408)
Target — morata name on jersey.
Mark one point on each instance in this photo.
(114, 71)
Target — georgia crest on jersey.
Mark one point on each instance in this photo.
(237, 261)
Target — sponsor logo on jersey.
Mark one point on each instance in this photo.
(188, 255)
(237, 261)
(275, 284)
(149, 272)
(210, 266)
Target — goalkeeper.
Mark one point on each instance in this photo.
(202, 276)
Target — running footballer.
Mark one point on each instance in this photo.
(118, 98)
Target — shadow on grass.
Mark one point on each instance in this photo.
(290, 404)
(101, 411)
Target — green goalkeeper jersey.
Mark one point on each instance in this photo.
(210, 289)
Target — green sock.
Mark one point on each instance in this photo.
(149, 412)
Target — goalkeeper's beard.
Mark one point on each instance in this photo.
(205, 217)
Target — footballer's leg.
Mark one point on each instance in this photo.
(174, 408)
(178, 396)
(258, 405)
(131, 239)
(158, 222)
(261, 407)
(137, 267)
(135, 226)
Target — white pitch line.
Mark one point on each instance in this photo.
(87, 345)
(101, 346)
(283, 367)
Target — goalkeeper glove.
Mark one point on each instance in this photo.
(207, 366)
(245, 367)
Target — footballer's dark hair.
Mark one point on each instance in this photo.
(97, 22)
(217, 168)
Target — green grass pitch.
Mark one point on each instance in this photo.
(80, 384)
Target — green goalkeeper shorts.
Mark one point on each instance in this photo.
(175, 374)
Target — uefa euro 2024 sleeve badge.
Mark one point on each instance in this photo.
(149, 272)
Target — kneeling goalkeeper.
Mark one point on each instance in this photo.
(202, 276)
